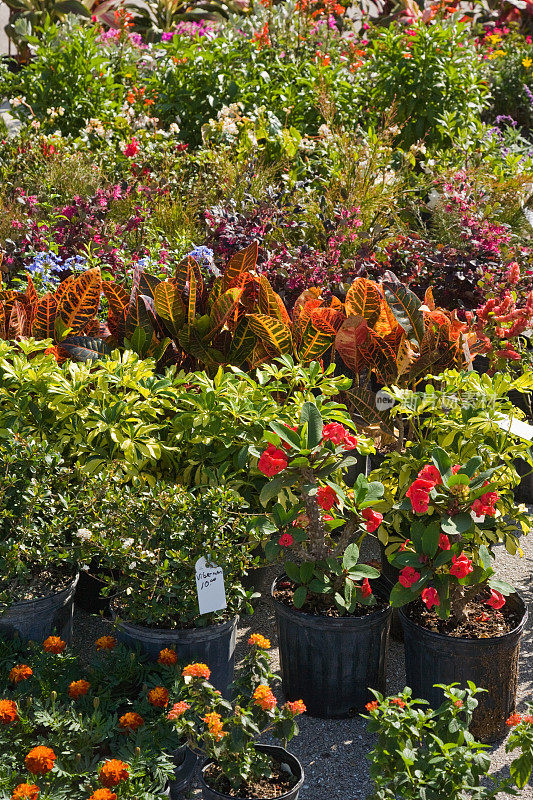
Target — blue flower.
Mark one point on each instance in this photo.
(205, 257)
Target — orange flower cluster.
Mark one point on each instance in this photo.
(54, 644)
(8, 712)
(178, 709)
(113, 772)
(168, 657)
(130, 722)
(514, 719)
(78, 689)
(25, 791)
(158, 697)
(40, 760)
(106, 643)
(264, 698)
(103, 794)
(259, 641)
(296, 707)
(214, 724)
(372, 706)
(197, 671)
(20, 673)
(397, 701)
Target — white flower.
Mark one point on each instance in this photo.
(324, 132)
(84, 535)
(132, 565)
(60, 111)
(127, 543)
(174, 128)
(17, 101)
(85, 567)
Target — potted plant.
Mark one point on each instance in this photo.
(44, 543)
(332, 623)
(459, 617)
(225, 733)
(152, 539)
(72, 729)
(426, 752)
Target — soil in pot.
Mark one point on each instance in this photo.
(480, 622)
(321, 605)
(276, 786)
(40, 615)
(44, 583)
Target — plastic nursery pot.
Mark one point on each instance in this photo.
(280, 755)
(213, 645)
(89, 593)
(387, 570)
(523, 493)
(330, 663)
(492, 664)
(37, 619)
(186, 766)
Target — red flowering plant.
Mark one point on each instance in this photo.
(451, 515)
(225, 732)
(521, 739)
(315, 516)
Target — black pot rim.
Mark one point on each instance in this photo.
(268, 747)
(330, 622)
(169, 632)
(70, 588)
(482, 642)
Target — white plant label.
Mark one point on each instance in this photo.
(468, 355)
(516, 426)
(210, 587)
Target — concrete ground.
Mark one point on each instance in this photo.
(333, 752)
(4, 17)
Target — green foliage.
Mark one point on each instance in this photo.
(424, 72)
(521, 739)
(426, 753)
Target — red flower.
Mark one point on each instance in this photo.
(286, 539)
(168, 657)
(418, 493)
(54, 645)
(272, 461)
(373, 519)
(78, 689)
(296, 707)
(408, 576)
(372, 705)
(397, 701)
(528, 719)
(461, 566)
(131, 149)
(326, 497)
(430, 473)
(366, 589)
(334, 432)
(350, 442)
(430, 597)
(496, 600)
(20, 673)
(486, 504)
(444, 542)
(403, 546)
(103, 794)
(514, 719)
(458, 703)
(178, 709)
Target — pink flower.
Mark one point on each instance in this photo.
(461, 566)
(430, 597)
(272, 461)
(408, 576)
(131, 149)
(285, 540)
(373, 519)
(496, 600)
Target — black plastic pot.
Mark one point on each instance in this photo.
(35, 620)
(186, 766)
(330, 663)
(491, 664)
(281, 755)
(214, 646)
(360, 468)
(89, 593)
(387, 570)
(523, 493)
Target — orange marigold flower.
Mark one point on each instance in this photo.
(113, 772)
(20, 673)
(40, 760)
(197, 671)
(397, 701)
(259, 641)
(514, 719)
(130, 722)
(178, 709)
(168, 657)
(106, 643)
(78, 689)
(264, 698)
(54, 644)
(214, 724)
(158, 697)
(8, 711)
(372, 705)
(25, 791)
(296, 707)
(103, 794)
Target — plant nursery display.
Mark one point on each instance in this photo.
(266, 353)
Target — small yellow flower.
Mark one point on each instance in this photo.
(499, 52)
(527, 62)
(494, 38)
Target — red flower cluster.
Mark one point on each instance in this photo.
(366, 589)
(40, 760)
(430, 597)
(496, 599)
(486, 504)
(178, 709)
(461, 566)
(373, 519)
(337, 433)
(444, 542)
(272, 461)
(131, 149)
(296, 707)
(286, 539)
(408, 576)
(326, 497)
(418, 494)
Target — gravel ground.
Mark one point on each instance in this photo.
(333, 752)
